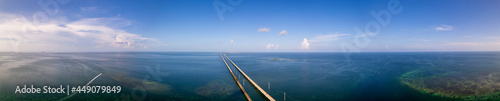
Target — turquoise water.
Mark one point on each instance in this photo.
(392, 76)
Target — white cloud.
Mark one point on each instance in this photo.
(327, 38)
(305, 44)
(231, 41)
(271, 46)
(263, 29)
(59, 33)
(283, 32)
(443, 28)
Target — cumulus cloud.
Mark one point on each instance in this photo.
(443, 28)
(231, 41)
(271, 46)
(263, 29)
(283, 32)
(57, 32)
(305, 44)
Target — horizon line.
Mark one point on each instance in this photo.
(232, 52)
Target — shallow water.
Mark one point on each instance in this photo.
(203, 75)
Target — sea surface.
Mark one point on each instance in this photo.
(387, 76)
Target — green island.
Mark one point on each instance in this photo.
(477, 85)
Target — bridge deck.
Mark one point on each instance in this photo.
(237, 82)
(251, 81)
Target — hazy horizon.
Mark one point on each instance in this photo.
(231, 51)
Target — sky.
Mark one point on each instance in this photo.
(249, 25)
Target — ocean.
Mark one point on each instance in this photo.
(368, 76)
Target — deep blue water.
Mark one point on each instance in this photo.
(203, 75)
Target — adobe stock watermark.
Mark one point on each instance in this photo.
(371, 29)
(221, 7)
(50, 9)
(152, 74)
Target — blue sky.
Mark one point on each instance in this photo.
(250, 25)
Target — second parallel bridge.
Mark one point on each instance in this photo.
(251, 81)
